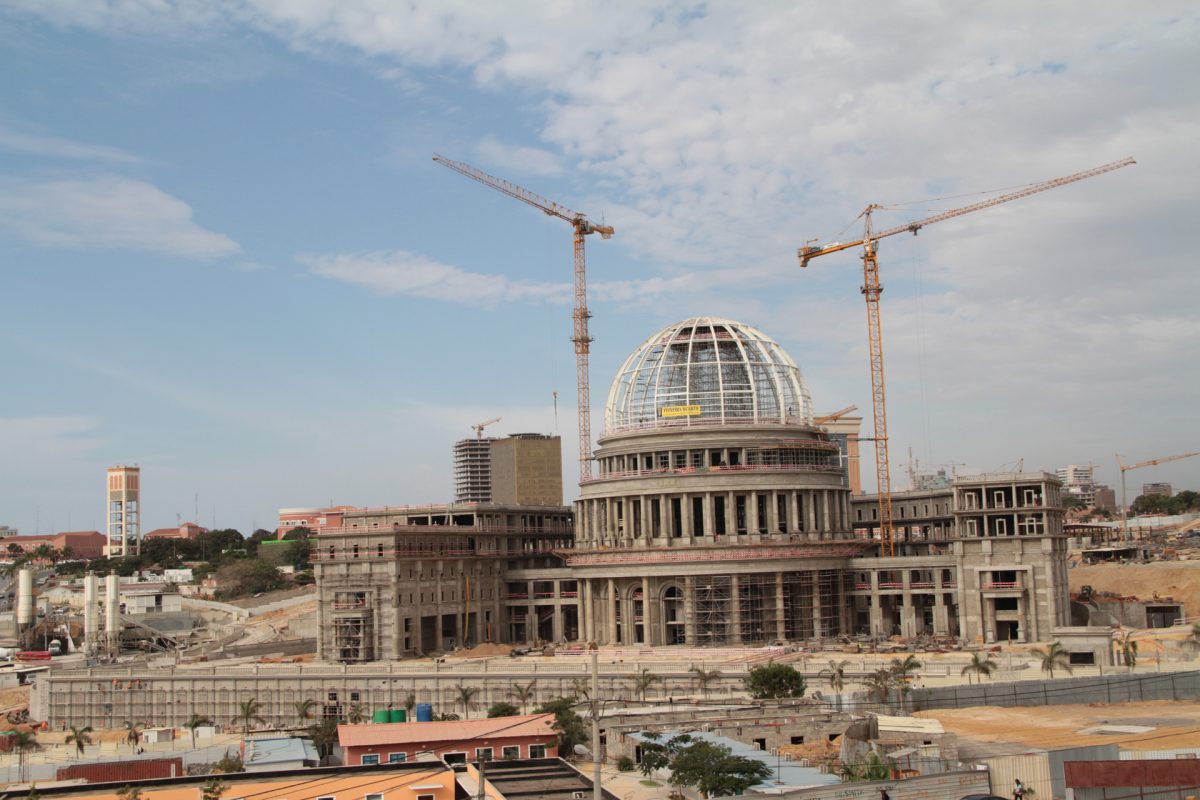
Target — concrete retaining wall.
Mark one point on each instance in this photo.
(1064, 691)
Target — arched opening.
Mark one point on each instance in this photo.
(674, 628)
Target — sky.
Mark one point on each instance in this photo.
(228, 258)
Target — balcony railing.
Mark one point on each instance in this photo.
(354, 605)
(1003, 585)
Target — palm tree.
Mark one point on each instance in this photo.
(304, 709)
(879, 684)
(904, 670)
(196, 721)
(248, 715)
(704, 677)
(23, 742)
(356, 714)
(523, 694)
(410, 702)
(80, 737)
(643, 681)
(133, 732)
(1054, 657)
(981, 664)
(1129, 650)
(836, 675)
(466, 698)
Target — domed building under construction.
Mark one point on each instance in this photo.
(720, 512)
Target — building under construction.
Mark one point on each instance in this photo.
(718, 513)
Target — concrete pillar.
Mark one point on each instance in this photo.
(752, 512)
(818, 630)
(685, 516)
(649, 614)
(557, 622)
(735, 608)
(825, 511)
(610, 612)
(689, 609)
(731, 513)
(647, 524)
(810, 512)
(664, 515)
(795, 523)
(780, 609)
(876, 606)
(710, 519)
(773, 512)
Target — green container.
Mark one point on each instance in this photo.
(380, 715)
(398, 715)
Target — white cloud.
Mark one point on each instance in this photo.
(106, 211)
(519, 158)
(411, 274)
(58, 147)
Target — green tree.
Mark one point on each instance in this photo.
(879, 684)
(304, 709)
(133, 733)
(981, 664)
(1129, 650)
(773, 681)
(715, 771)
(247, 576)
(129, 792)
(1054, 657)
(80, 737)
(196, 721)
(229, 763)
(357, 714)
(248, 715)
(502, 709)
(523, 694)
(657, 754)
(568, 723)
(703, 677)
(642, 681)
(324, 736)
(836, 675)
(871, 768)
(905, 669)
(24, 742)
(212, 789)
(466, 698)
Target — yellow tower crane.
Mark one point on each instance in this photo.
(1125, 468)
(583, 226)
(872, 288)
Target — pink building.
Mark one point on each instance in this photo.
(529, 736)
(82, 544)
(315, 519)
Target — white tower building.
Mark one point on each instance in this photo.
(124, 511)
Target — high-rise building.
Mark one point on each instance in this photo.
(473, 471)
(124, 511)
(527, 470)
(1079, 482)
(1156, 490)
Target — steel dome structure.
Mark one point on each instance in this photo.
(706, 371)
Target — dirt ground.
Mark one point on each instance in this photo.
(1176, 579)
(1176, 724)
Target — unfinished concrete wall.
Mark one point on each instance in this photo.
(1118, 688)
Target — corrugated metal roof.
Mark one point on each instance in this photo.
(261, 752)
(458, 730)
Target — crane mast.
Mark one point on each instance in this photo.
(580, 315)
(872, 288)
(1125, 468)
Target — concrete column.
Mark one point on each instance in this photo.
(780, 610)
(557, 622)
(649, 614)
(818, 630)
(735, 609)
(685, 515)
(826, 518)
(810, 512)
(876, 606)
(647, 524)
(795, 523)
(664, 515)
(752, 512)
(710, 519)
(610, 610)
(772, 512)
(689, 609)
(730, 513)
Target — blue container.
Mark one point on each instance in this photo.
(424, 712)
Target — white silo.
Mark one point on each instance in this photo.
(91, 612)
(25, 597)
(112, 604)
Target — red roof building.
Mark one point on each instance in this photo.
(82, 544)
(460, 741)
(188, 530)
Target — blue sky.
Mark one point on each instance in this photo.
(227, 256)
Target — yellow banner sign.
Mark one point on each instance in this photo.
(679, 411)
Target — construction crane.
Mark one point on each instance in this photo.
(872, 289)
(825, 420)
(479, 428)
(582, 227)
(1125, 468)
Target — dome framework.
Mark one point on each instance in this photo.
(705, 371)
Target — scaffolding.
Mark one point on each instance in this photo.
(353, 637)
(761, 608)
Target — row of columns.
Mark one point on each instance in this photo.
(609, 519)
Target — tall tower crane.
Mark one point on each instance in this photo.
(583, 227)
(872, 289)
(479, 427)
(1125, 468)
